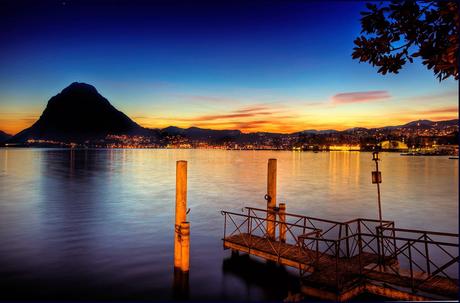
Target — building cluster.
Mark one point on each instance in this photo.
(436, 139)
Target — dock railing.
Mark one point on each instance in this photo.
(251, 227)
(423, 255)
(355, 248)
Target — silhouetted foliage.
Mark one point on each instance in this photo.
(396, 32)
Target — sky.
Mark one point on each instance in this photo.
(279, 66)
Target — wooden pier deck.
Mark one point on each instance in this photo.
(353, 260)
(292, 255)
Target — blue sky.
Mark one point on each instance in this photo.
(254, 65)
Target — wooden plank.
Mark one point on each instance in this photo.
(436, 285)
(283, 253)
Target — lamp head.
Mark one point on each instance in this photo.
(375, 156)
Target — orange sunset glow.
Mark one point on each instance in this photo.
(340, 112)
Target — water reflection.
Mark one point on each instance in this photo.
(275, 280)
(181, 287)
(99, 224)
(70, 197)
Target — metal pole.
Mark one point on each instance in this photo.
(427, 256)
(410, 267)
(378, 192)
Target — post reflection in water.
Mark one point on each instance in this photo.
(275, 280)
(181, 285)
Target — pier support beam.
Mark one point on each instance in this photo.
(271, 198)
(282, 219)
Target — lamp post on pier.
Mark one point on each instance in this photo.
(377, 179)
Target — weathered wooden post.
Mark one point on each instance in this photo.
(282, 215)
(181, 235)
(185, 246)
(181, 209)
(271, 198)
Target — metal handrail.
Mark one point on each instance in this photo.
(268, 220)
(359, 236)
(297, 215)
(428, 232)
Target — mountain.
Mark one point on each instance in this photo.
(4, 136)
(356, 129)
(419, 123)
(79, 113)
(196, 133)
(318, 132)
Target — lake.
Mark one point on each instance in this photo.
(98, 224)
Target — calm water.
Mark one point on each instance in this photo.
(98, 224)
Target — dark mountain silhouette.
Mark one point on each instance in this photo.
(418, 124)
(79, 113)
(199, 133)
(318, 132)
(4, 136)
(429, 124)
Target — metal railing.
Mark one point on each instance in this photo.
(354, 247)
(426, 254)
(252, 232)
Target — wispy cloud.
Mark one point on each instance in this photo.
(440, 110)
(252, 109)
(360, 97)
(226, 116)
(208, 99)
(441, 96)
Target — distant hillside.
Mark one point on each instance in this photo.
(201, 134)
(429, 124)
(418, 124)
(78, 113)
(4, 136)
(318, 132)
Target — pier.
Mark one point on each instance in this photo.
(340, 260)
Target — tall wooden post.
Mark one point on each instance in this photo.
(282, 215)
(181, 208)
(181, 236)
(271, 198)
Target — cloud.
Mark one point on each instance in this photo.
(251, 124)
(441, 110)
(360, 97)
(252, 109)
(209, 99)
(450, 95)
(227, 116)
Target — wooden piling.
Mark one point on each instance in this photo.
(282, 219)
(181, 209)
(185, 246)
(271, 198)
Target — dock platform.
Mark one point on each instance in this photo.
(340, 260)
